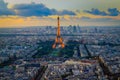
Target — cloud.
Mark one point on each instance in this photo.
(111, 12)
(96, 12)
(65, 12)
(34, 9)
(4, 10)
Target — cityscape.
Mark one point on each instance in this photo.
(60, 50)
(89, 54)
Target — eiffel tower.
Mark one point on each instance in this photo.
(58, 39)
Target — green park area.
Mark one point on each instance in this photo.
(45, 49)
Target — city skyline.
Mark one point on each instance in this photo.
(26, 13)
(59, 40)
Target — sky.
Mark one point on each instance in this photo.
(27, 13)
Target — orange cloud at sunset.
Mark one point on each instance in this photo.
(19, 21)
